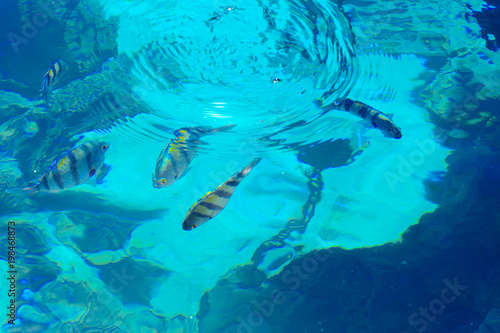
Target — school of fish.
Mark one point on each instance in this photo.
(85, 162)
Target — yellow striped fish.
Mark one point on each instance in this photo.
(75, 167)
(50, 78)
(175, 157)
(376, 118)
(214, 202)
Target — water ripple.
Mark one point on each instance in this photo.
(263, 65)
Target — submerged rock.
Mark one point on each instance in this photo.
(132, 280)
(386, 288)
(434, 187)
(491, 323)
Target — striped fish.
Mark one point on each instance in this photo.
(75, 167)
(376, 118)
(175, 157)
(214, 202)
(50, 78)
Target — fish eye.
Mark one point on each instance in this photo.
(104, 147)
(163, 180)
(194, 226)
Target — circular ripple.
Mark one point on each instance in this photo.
(262, 65)
(262, 58)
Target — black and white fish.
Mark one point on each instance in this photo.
(214, 202)
(175, 157)
(56, 70)
(77, 166)
(374, 117)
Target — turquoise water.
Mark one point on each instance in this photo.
(337, 229)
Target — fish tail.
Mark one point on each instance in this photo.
(361, 149)
(45, 94)
(222, 129)
(21, 193)
(63, 65)
(249, 167)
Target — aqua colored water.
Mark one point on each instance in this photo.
(338, 228)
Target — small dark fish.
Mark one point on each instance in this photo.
(52, 76)
(376, 118)
(175, 157)
(222, 12)
(214, 202)
(75, 167)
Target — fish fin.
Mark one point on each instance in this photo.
(361, 149)
(45, 92)
(249, 167)
(364, 125)
(92, 180)
(20, 194)
(389, 115)
(31, 184)
(77, 138)
(103, 172)
(185, 172)
(197, 143)
(359, 134)
(45, 96)
(222, 129)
